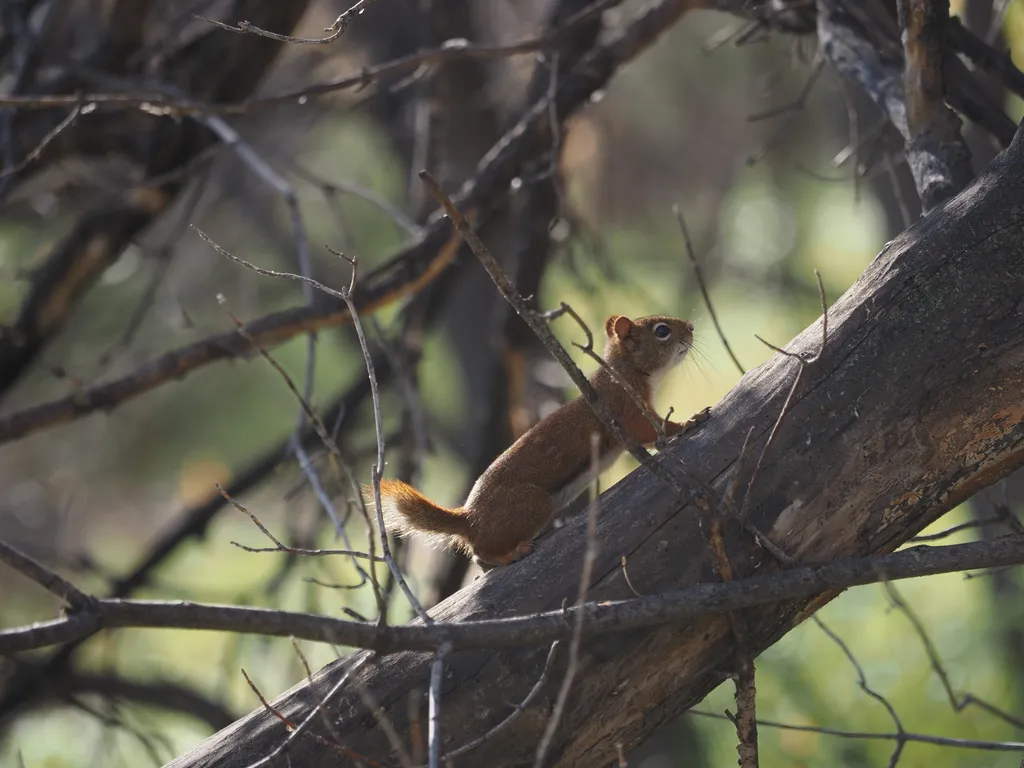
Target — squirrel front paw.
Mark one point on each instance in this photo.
(699, 418)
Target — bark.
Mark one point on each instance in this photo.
(917, 403)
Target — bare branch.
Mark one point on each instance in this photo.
(44, 577)
(336, 30)
(434, 717)
(32, 156)
(692, 256)
(957, 703)
(862, 681)
(537, 629)
(161, 102)
(378, 467)
(862, 44)
(278, 546)
(306, 411)
(346, 296)
(515, 713)
(937, 153)
(586, 574)
(917, 738)
(804, 362)
(299, 729)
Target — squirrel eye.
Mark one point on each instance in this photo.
(662, 331)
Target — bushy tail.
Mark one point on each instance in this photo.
(406, 509)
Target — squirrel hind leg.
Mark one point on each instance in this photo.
(522, 549)
(512, 521)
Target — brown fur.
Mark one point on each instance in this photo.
(515, 498)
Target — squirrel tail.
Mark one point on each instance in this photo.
(407, 510)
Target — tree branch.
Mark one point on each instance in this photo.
(938, 155)
(599, 619)
(860, 41)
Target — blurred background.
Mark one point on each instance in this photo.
(778, 166)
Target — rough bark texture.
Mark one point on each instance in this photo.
(917, 404)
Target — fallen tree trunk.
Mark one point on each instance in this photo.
(917, 403)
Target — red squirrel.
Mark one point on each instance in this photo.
(551, 463)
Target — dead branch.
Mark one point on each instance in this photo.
(695, 265)
(939, 157)
(598, 618)
(904, 737)
(336, 30)
(862, 43)
(586, 574)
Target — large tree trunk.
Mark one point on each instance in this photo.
(917, 404)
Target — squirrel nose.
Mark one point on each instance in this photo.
(688, 325)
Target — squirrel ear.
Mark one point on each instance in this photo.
(609, 326)
(618, 325)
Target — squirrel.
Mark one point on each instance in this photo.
(551, 463)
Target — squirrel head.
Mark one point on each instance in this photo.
(648, 345)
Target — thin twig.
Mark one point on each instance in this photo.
(586, 574)
(313, 417)
(307, 411)
(625, 575)
(31, 157)
(515, 713)
(378, 468)
(691, 254)
(434, 713)
(336, 30)
(264, 171)
(862, 681)
(270, 759)
(797, 105)
(956, 529)
(288, 724)
(44, 577)
(278, 545)
(804, 363)
(384, 723)
(957, 704)
(331, 188)
(918, 738)
(325, 717)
